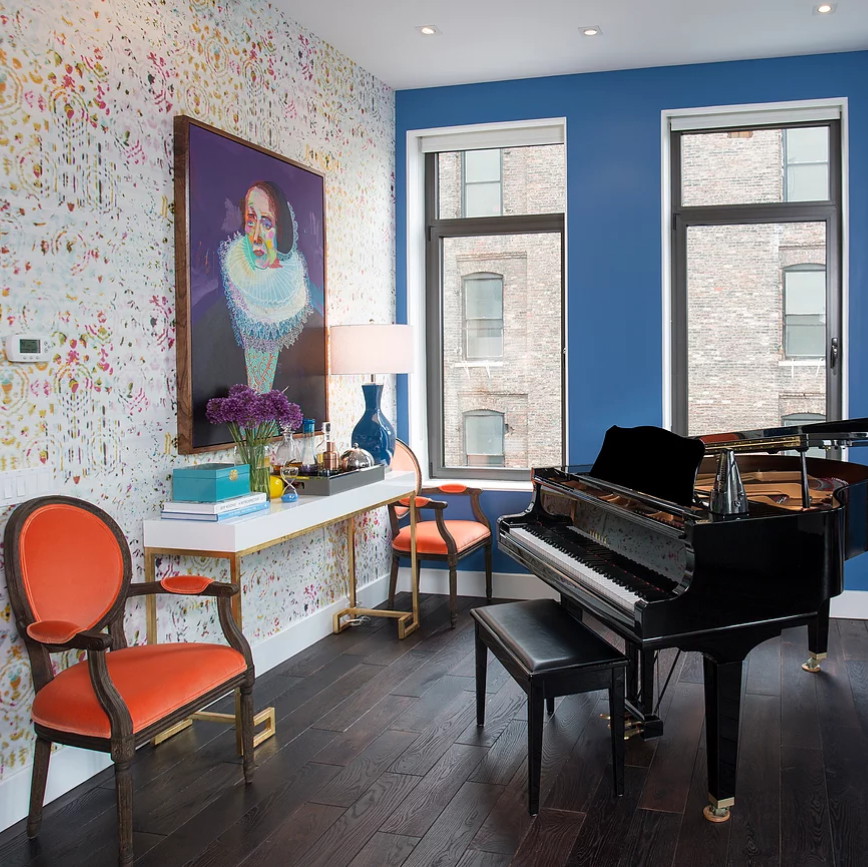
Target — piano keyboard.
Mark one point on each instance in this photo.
(593, 570)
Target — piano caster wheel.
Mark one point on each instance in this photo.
(813, 663)
(716, 814)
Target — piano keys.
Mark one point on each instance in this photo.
(665, 574)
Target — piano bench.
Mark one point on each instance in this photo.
(549, 653)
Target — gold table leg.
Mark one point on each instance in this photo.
(408, 621)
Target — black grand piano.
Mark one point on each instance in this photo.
(663, 573)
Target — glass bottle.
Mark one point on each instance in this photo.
(285, 452)
(307, 466)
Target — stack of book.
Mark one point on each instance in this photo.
(179, 510)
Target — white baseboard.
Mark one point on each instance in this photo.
(852, 604)
(70, 766)
(504, 585)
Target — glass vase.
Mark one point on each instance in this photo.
(255, 455)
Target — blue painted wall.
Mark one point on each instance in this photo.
(613, 219)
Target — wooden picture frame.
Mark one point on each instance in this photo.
(250, 278)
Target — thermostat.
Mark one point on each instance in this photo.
(27, 347)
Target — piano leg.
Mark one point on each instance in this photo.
(818, 639)
(722, 706)
(640, 693)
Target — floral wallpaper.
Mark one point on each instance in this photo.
(88, 91)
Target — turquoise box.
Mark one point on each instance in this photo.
(210, 483)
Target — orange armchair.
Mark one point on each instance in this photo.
(439, 539)
(69, 572)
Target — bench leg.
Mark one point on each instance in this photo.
(616, 721)
(550, 704)
(536, 699)
(481, 672)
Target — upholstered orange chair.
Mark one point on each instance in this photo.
(68, 569)
(444, 540)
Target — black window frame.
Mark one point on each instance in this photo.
(683, 217)
(438, 230)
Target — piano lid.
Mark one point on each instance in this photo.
(824, 434)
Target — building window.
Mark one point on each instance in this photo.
(483, 438)
(482, 183)
(494, 306)
(483, 316)
(806, 164)
(804, 297)
(799, 418)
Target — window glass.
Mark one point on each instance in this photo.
(501, 182)
(755, 166)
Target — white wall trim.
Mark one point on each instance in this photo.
(71, 766)
(753, 113)
(505, 585)
(851, 604)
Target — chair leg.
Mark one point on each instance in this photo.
(453, 594)
(488, 589)
(124, 790)
(534, 745)
(616, 719)
(481, 673)
(393, 581)
(41, 759)
(550, 704)
(245, 694)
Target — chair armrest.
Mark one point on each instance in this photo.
(423, 503)
(182, 585)
(66, 634)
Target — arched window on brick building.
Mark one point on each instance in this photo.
(484, 431)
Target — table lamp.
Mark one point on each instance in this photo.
(369, 350)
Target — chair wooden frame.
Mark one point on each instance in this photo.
(452, 555)
(123, 741)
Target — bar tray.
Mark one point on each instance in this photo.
(322, 486)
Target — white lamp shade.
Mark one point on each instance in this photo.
(370, 349)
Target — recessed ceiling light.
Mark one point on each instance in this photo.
(591, 30)
(824, 9)
(428, 30)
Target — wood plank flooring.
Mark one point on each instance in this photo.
(378, 762)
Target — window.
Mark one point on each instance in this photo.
(800, 418)
(483, 316)
(483, 438)
(482, 183)
(756, 267)
(494, 311)
(806, 164)
(804, 296)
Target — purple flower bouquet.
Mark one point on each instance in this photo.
(253, 419)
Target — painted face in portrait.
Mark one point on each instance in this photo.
(260, 227)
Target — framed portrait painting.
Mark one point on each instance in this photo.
(250, 278)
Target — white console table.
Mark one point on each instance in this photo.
(233, 539)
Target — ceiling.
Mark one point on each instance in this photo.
(490, 40)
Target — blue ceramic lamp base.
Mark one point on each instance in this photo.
(373, 431)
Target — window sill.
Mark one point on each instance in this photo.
(485, 484)
(802, 362)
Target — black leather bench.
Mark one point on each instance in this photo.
(549, 653)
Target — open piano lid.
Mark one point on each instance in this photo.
(828, 434)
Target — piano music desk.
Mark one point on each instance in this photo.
(233, 539)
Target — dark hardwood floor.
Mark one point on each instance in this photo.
(377, 762)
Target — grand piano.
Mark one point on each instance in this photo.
(664, 573)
